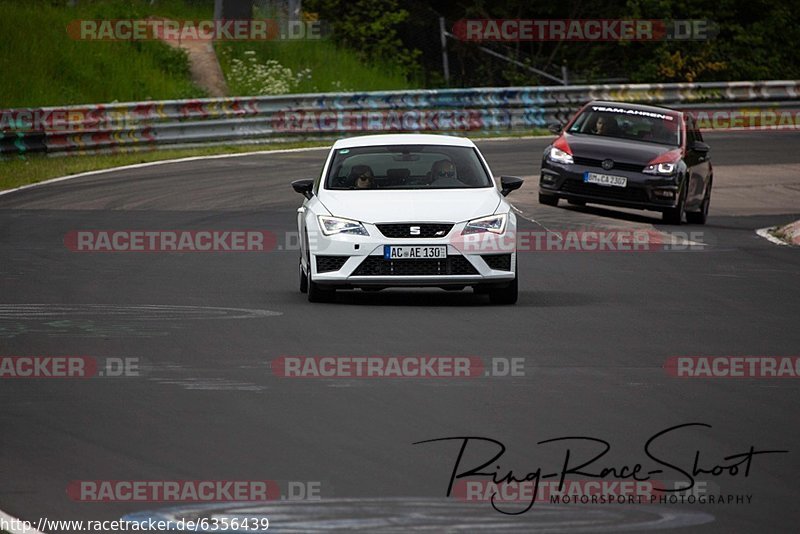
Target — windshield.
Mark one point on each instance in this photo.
(407, 167)
(661, 128)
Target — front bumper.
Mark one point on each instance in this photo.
(352, 261)
(642, 191)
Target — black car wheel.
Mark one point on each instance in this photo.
(508, 294)
(700, 217)
(548, 200)
(675, 215)
(319, 294)
(315, 292)
(303, 278)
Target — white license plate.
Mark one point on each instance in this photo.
(414, 252)
(605, 179)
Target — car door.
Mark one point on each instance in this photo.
(696, 166)
(704, 163)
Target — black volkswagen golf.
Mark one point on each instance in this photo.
(633, 156)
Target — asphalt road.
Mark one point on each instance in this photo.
(594, 331)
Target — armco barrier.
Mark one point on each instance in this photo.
(232, 120)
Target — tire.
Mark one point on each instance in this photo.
(508, 294)
(315, 292)
(700, 217)
(303, 279)
(548, 200)
(318, 294)
(675, 215)
(576, 202)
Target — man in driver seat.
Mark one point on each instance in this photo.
(443, 174)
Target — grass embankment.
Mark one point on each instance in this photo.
(43, 66)
(317, 66)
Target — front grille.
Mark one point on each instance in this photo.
(403, 230)
(591, 162)
(326, 264)
(378, 266)
(632, 194)
(498, 262)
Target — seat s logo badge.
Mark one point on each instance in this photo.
(607, 164)
(413, 230)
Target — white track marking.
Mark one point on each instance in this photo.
(764, 232)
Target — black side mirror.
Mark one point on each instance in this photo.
(700, 147)
(509, 184)
(555, 127)
(304, 187)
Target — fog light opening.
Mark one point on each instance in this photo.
(664, 193)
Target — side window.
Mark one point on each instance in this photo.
(697, 135)
(690, 129)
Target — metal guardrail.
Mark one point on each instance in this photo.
(236, 120)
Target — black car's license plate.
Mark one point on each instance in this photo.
(605, 179)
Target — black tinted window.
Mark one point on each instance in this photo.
(407, 167)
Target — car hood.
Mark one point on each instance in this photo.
(622, 150)
(441, 205)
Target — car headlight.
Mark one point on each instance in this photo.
(665, 164)
(559, 156)
(493, 223)
(660, 168)
(337, 225)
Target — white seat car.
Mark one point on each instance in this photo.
(407, 210)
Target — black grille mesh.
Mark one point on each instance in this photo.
(499, 262)
(378, 266)
(591, 162)
(634, 194)
(403, 230)
(327, 264)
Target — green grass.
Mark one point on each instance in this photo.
(41, 65)
(330, 68)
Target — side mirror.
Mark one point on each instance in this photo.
(304, 187)
(555, 127)
(700, 147)
(509, 184)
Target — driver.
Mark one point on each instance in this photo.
(444, 174)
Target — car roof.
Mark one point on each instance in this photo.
(402, 139)
(638, 107)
